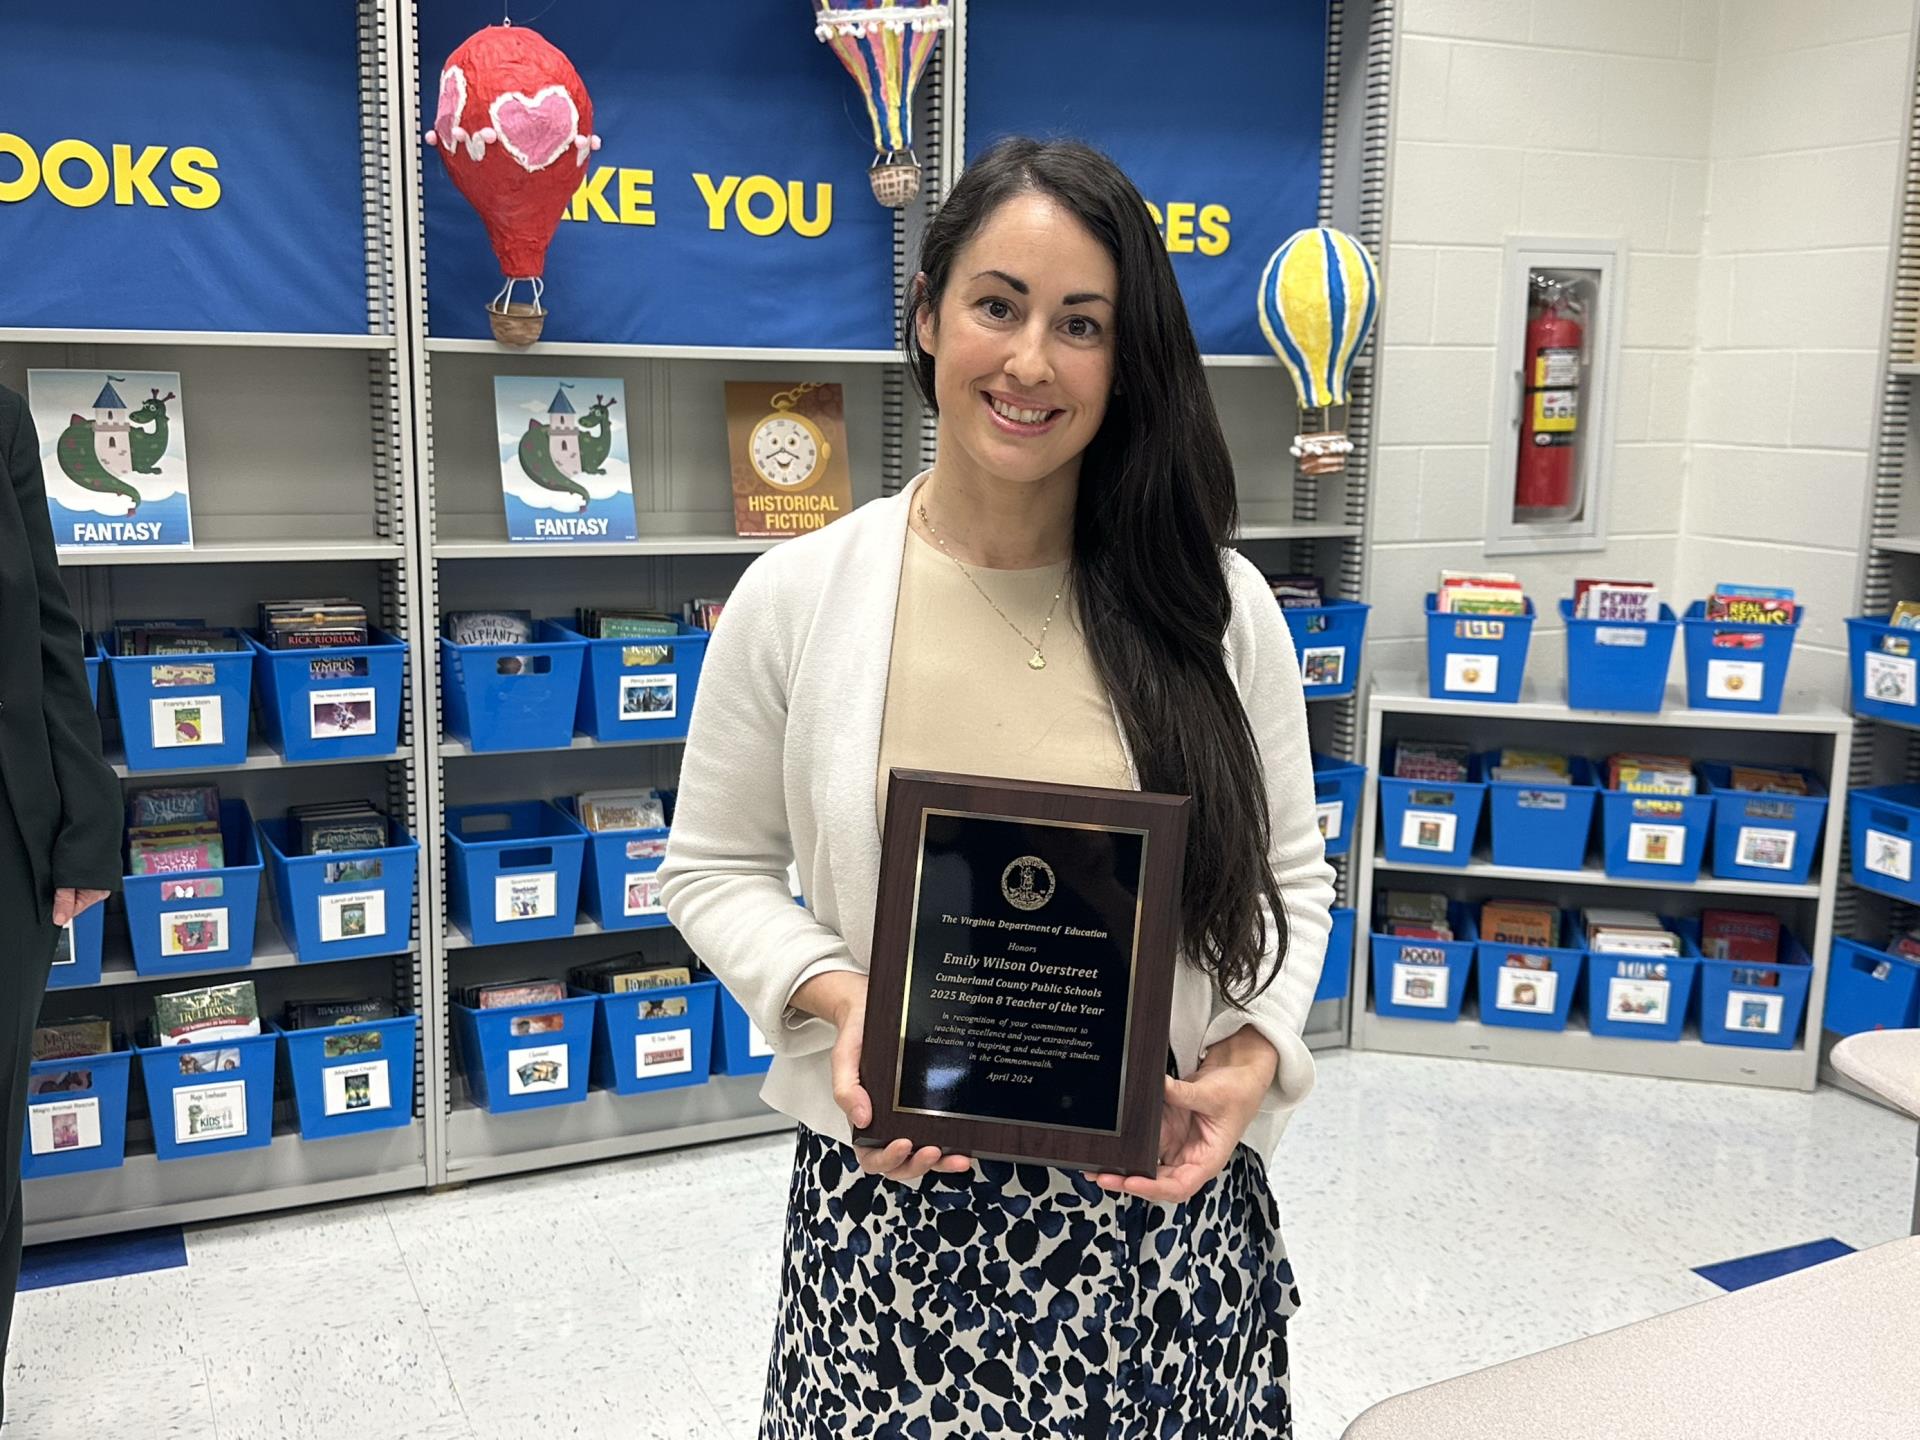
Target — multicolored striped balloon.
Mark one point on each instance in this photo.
(886, 48)
(1318, 296)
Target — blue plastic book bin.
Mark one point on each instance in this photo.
(180, 711)
(91, 651)
(513, 871)
(1636, 997)
(738, 1046)
(1424, 979)
(76, 1115)
(1337, 972)
(346, 905)
(513, 697)
(1883, 824)
(1655, 837)
(1430, 822)
(1870, 989)
(526, 1057)
(1769, 838)
(640, 688)
(76, 960)
(645, 1040)
(211, 1098)
(1542, 827)
(1881, 662)
(333, 702)
(1329, 640)
(1477, 657)
(1337, 790)
(1618, 664)
(620, 886)
(352, 1079)
(1737, 667)
(1536, 991)
(184, 922)
(1759, 1006)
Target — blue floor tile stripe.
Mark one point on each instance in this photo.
(71, 1261)
(1771, 1264)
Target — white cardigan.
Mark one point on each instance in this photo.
(782, 762)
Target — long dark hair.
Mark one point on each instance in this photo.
(1156, 508)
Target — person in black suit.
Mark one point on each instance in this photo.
(61, 816)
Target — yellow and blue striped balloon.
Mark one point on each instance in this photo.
(1318, 296)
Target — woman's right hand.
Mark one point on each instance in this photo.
(841, 998)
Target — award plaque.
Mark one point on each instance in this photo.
(1023, 962)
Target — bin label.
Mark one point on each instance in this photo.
(56, 1126)
(1890, 679)
(1324, 664)
(63, 953)
(1736, 680)
(350, 1089)
(336, 714)
(209, 1112)
(643, 893)
(1541, 799)
(1889, 855)
(1638, 1002)
(525, 897)
(757, 1046)
(1766, 849)
(186, 720)
(1423, 986)
(536, 1069)
(1330, 813)
(1524, 988)
(1428, 830)
(1760, 1014)
(663, 1052)
(1656, 844)
(1626, 637)
(193, 932)
(1477, 674)
(649, 697)
(355, 915)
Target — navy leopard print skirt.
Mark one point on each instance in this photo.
(1024, 1300)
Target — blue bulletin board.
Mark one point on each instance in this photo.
(1214, 111)
(182, 167)
(728, 204)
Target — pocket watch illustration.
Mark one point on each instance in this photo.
(786, 448)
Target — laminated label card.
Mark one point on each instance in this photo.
(1736, 679)
(1428, 829)
(1640, 1002)
(1889, 855)
(355, 915)
(1890, 679)
(649, 697)
(1759, 1013)
(61, 1125)
(1656, 844)
(643, 894)
(1766, 849)
(193, 932)
(113, 448)
(663, 1052)
(1532, 991)
(1420, 985)
(1323, 664)
(186, 720)
(209, 1112)
(351, 1088)
(757, 1046)
(1479, 674)
(335, 713)
(564, 472)
(525, 897)
(536, 1068)
(1330, 813)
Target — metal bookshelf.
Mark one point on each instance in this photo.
(333, 509)
(1816, 736)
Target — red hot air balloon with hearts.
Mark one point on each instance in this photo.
(514, 125)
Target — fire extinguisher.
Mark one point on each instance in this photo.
(1550, 405)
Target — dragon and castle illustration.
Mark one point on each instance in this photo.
(567, 444)
(98, 454)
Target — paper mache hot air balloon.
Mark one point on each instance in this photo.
(514, 125)
(1318, 297)
(885, 47)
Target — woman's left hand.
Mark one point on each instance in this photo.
(1204, 1118)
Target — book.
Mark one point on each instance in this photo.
(1627, 932)
(1635, 601)
(1434, 760)
(316, 1014)
(564, 463)
(212, 1012)
(1766, 780)
(621, 810)
(1745, 935)
(1642, 774)
(1519, 922)
(114, 452)
(1462, 592)
(1751, 605)
(702, 614)
(625, 973)
(1905, 616)
(330, 827)
(513, 992)
(156, 805)
(72, 1039)
(312, 624)
(1535, 767)
(488, 627)
(787, 444)
(1297, 592)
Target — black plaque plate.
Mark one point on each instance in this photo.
(1023, 970)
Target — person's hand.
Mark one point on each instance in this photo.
(1204, 1118)
(841, 998)
(69, 903)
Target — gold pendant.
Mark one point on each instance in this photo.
(1038, 662)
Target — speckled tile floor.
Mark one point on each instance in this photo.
(1442, 1216)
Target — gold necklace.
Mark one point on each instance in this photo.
(1038, 661)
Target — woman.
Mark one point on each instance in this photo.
(59, 802)
(1055, 600)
